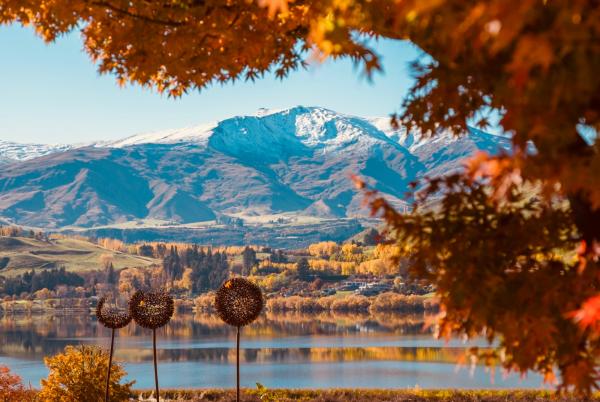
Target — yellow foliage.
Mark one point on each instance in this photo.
(323, 249)
(386, 251)
(43, 294)
(186, 280)
(205, 302)
(271, 282)
(350, 249)
(283, 266)
(112, 244)
(132, 279)
(385, 262)
(79, 374)
(378, 267)
(11, 231)
(342, 267)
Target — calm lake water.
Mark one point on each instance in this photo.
(279, 351)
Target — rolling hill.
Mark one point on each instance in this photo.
(21, 254)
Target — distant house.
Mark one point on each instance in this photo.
(372, 289)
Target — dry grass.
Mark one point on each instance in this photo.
(75, 255)
(346, 395)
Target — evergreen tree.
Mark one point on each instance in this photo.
(146, 250)
(303, 268)
(172, 264)
(248, 260)
(111, 274)
(33, 281)
(371, 238)
(278, 256)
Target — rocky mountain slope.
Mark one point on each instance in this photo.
(294, 162)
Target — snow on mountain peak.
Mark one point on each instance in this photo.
(196, 134)
(263, 111)
(294, 161)
(294, 131)
(21, 152)
(323, 127)
(279, 131)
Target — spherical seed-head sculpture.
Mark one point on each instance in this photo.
(151, 309)
(239, 302)
(111, 316)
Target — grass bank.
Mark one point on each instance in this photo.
(352, 395)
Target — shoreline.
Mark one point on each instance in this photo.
(388, 302)
(371, 395)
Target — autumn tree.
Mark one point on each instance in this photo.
(512, 241)
(76, 375)
(323, 249)
(248, 260)
(12, 388)
(186, 282)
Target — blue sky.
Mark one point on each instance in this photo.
(53, 93)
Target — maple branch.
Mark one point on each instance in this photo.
(137, 16)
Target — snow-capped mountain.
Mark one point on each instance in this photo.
(296, 161)
(12, 151)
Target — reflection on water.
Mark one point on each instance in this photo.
(279, 350)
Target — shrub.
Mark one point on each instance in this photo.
(295, 303)
(205, 303)
(385, 302)
(79, 374)
(326, 302)
(184, 305)
(12, 389)
(351, 303)
(394, 302)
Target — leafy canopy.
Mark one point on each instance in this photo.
(79, 374)
(513, 246)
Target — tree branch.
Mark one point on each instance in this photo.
(151, 20)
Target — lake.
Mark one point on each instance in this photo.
(279, 350)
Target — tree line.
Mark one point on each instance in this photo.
(33, 281)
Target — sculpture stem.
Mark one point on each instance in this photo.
(112, 345)
(237, 355)
(155, 365)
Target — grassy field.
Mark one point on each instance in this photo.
(75, 255)
(345, 395)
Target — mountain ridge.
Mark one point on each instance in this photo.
(291, 163)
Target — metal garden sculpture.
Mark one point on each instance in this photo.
(238, 302)
(114, 318)
(152, 310)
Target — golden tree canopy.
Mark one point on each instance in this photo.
(79, 374)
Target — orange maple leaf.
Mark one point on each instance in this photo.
(589, 313)
(274, 6)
